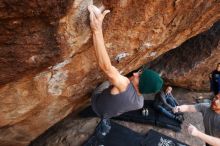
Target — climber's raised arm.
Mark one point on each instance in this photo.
(96, 19)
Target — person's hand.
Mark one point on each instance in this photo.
(96, 17)
(193, 130)
(176, 109)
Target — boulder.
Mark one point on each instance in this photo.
(48, 67)
(190, 64)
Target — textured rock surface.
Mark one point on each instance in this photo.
(47, 63)
(75, 131)
(190, 64)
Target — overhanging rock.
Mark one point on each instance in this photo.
(47, 63)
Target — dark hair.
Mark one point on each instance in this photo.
(166, 86)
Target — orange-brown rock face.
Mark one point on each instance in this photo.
(190, 64)
(47, 63)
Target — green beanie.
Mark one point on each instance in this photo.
(150, 82)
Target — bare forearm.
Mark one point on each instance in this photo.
(100, 50)
(187, 108)
(208, 139)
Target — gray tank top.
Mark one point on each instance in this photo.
(108, 105)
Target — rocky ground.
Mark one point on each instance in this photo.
(73, 130)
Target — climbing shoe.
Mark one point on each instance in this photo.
(179, 118)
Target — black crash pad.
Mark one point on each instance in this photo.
(123, 136)
(154, 117)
